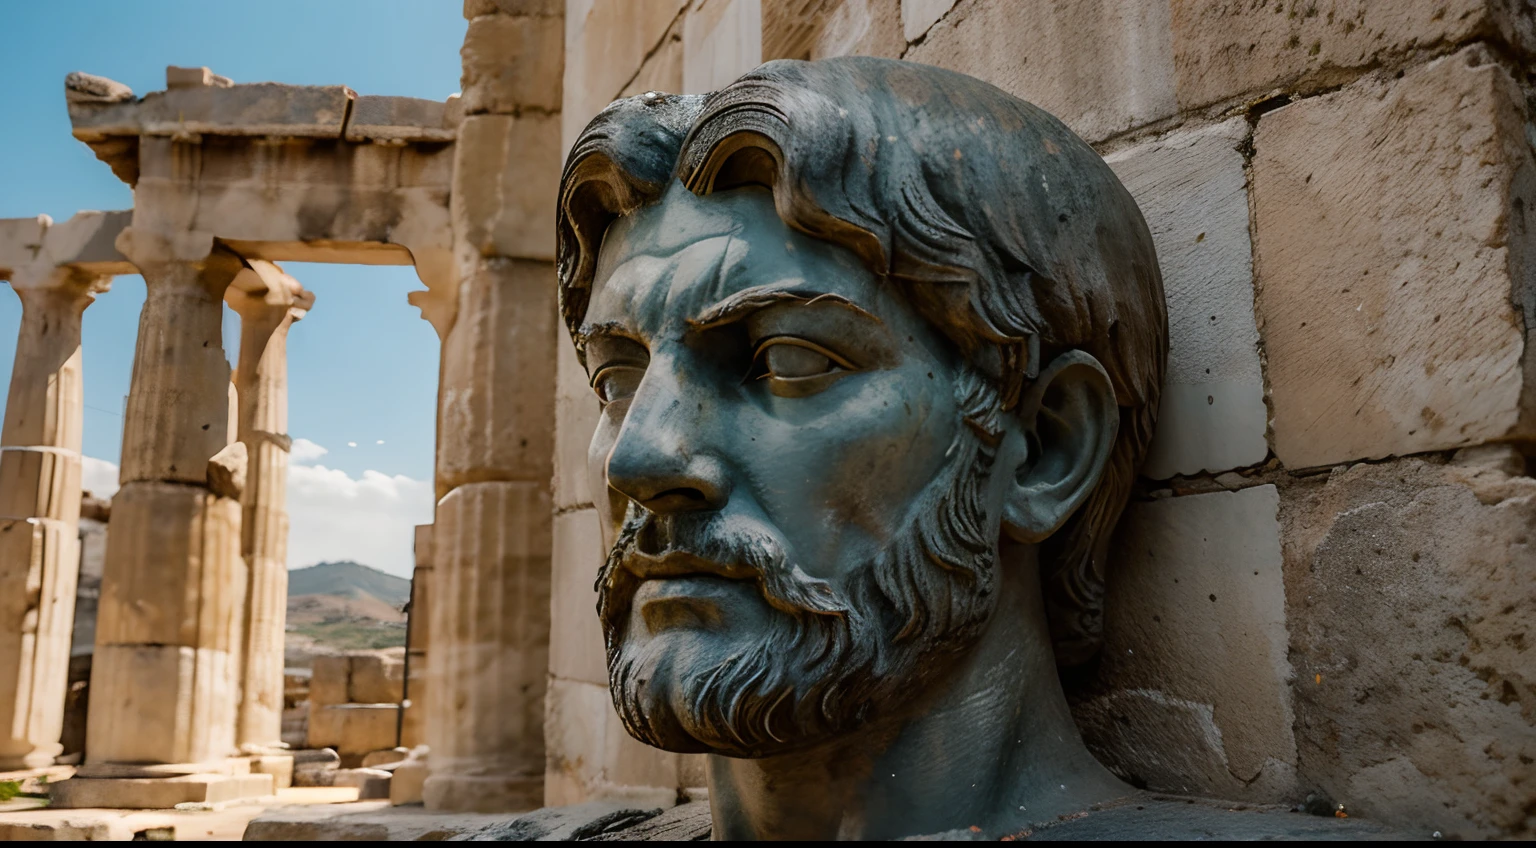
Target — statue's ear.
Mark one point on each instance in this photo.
(1069, 419)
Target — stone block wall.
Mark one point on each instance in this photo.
(1326, 574)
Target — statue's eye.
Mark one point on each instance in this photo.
(795, 367)
(792, 360)
(616, 382)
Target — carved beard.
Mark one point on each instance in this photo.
(830, 661)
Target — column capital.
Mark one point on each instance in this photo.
(42, 283)
(263, 292)
(158, 256)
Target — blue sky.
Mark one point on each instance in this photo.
(363, 364)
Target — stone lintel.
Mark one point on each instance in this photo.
(404, 119)
(197, 102)
(31, 247)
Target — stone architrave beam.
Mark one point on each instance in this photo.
(56, 271)
(284, 172)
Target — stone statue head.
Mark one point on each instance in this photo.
(873, 342)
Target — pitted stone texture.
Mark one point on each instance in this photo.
(497, 394)
(606, 42)
(1192, 694)
(816, 29)
(257, 109)
(576, 641)
(663, 68)
(490, 649)
(506, 175)
(39, 564)
(513, 63)
(378, 118)
(918, 16)
(1192, 190)
(591, 757)
(1385, 221)
(576, 414)
(722, 39)
(1412, 589)
(1101, 68)
(173, 557)
(1231, 48)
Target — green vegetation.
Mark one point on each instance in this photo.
(9, 789)
(353, 634)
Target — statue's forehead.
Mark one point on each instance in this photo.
(676, 256)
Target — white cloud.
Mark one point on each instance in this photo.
(98, 476)
(331, 515)
(304, 450)
(371, 519)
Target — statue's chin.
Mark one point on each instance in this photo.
(659, 707)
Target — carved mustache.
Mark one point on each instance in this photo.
(735, 547)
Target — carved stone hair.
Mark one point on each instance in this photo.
(999, 225)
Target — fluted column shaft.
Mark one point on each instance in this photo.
(40, 512)
(261, 380)
(163, 681)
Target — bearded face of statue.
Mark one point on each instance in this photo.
(801, 512)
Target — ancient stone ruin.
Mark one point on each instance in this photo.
(1318, 596)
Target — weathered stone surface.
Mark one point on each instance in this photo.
(688, 822)
(227, 471)
(374, 821)
(405, 787)
(371, 784)
(561, 824)
(158, 793)
(815, 29)
(171, 550)
(918, 16)
(506, 173)
(257, 109)
(328, 679)
(497, 391)
(1223, 50)
(194, 78)
(576, 638)
(1192, 190)
(279, 766)
(164, 704)
(375, 679)
(378, 118)
(1101, 69)
(576, 413)
(490, 649)
(1192, 694)
(475, 8)
(1387, 255)
(722, 40)
(1411, 589)
(663, 68)
(513, 63)
(591, 756)
(606, 41)
(353, 730)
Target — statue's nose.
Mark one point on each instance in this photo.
(665, 457)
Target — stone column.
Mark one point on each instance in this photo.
(163, 682)
(40, 511)
(268, 302)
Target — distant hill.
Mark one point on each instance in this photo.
(342, 606)
(349, 580)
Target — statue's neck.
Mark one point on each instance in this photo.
(994, 748)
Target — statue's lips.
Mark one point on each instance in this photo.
(689, 601)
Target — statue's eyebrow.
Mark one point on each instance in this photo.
(602, 330)
(747, 301)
